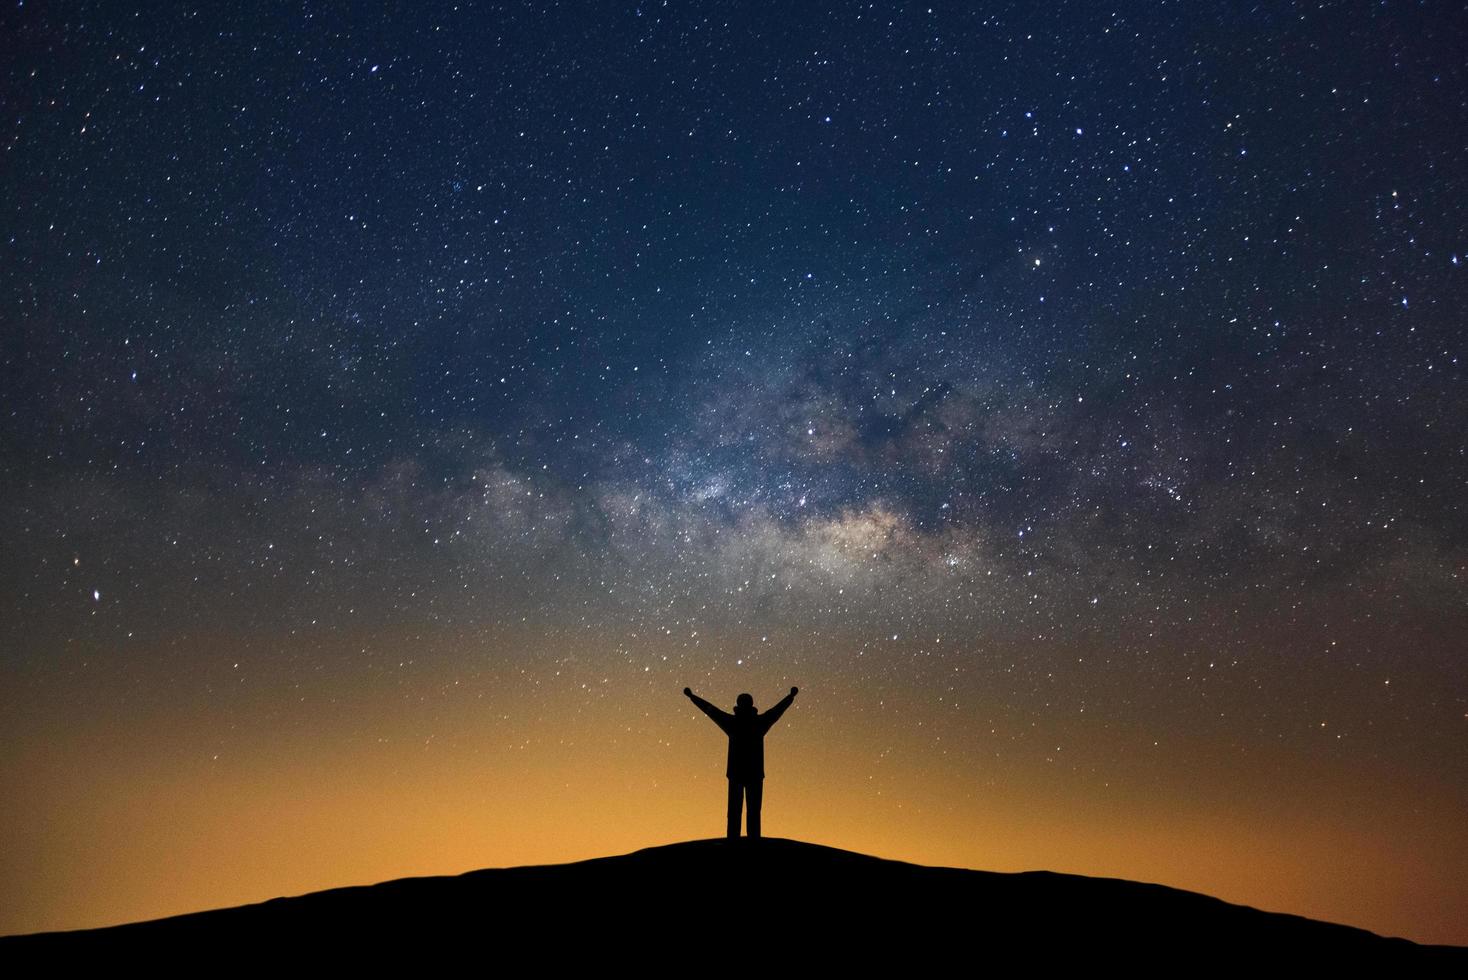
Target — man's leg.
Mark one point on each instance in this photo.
(736, 793)
(752, 797)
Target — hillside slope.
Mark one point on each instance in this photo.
(727, 901)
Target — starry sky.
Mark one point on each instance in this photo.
(404, 402)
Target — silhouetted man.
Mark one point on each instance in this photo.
(746, 729)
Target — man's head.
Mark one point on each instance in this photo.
(744, 703)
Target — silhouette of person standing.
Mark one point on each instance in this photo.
(746, 729)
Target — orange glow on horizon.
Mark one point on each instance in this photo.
(111, 824)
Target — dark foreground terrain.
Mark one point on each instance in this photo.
(716, 905)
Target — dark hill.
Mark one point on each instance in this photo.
(746, 904)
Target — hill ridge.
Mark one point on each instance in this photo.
(770, 893)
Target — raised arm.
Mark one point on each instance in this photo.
(769, 718)
(721, 718)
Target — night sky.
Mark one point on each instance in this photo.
(403, 403)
